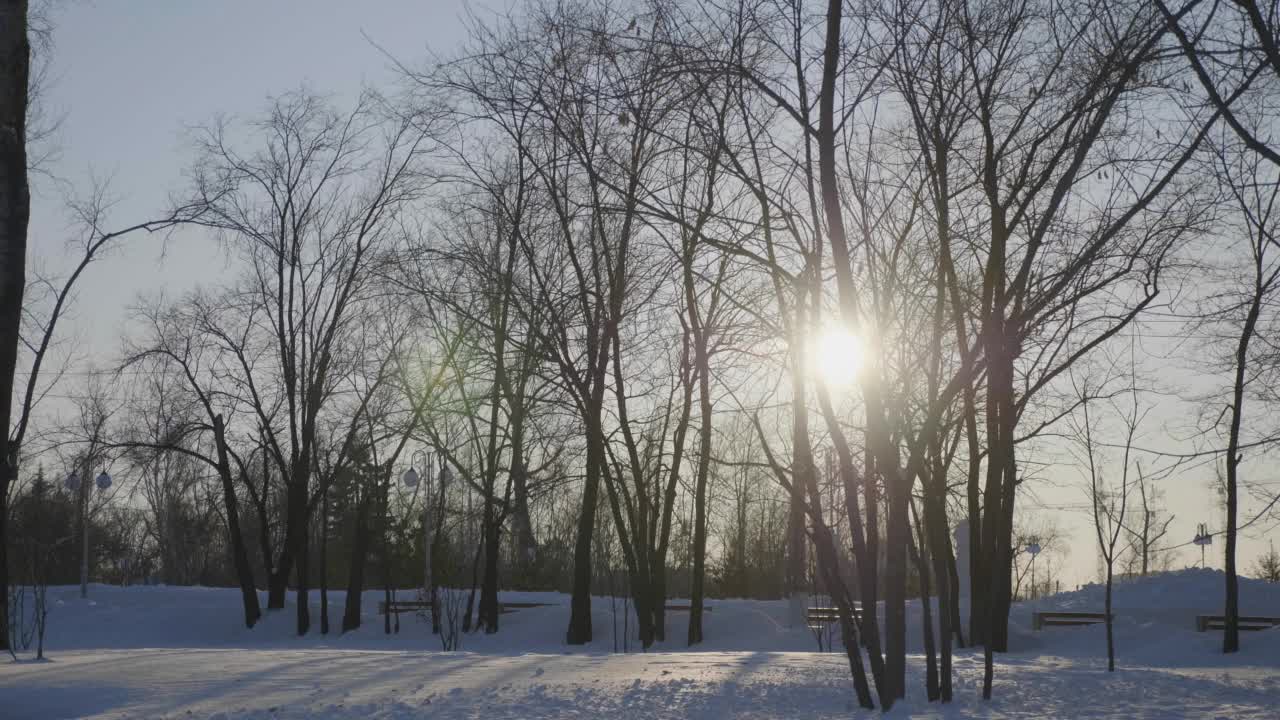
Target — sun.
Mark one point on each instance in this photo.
(837, 357)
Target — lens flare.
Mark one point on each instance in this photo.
(837, 357)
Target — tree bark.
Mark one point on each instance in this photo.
(15, 212)
(489, 609)
(1231, 611)
(700, 494)
(919, 559)
(579, 632)
(324, 562)
(355, 575)
(298, 536)
(239, 554)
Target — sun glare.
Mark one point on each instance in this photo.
(837, 357)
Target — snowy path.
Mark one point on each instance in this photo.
(378, 685)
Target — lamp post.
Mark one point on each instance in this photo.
(411, 479)
(1033, 549)
(1203, 538)
(103, 481)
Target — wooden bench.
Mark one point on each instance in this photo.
(395, 607)
(1247, 622)
(513, 606)
(1040, 619)
(401, 606)
(817, 617)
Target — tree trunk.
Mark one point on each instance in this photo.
(299, 533)
(1231, 612)
(926, 621)
(355, 575)
(489, 608)
(239, 555)
(699, 557)
(579, 632)
(475, 580)
(15, 211)
(828, 565)
(1111, 643)
(324, 563)
(895, 596)
(526, 543)
(935, 526)
(278, 583)
(659, 604)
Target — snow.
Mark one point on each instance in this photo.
(168, 652)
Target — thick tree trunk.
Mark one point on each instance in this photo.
(977, 564)
(699, 546)
(278, 583)
(526, 543)
(946, 608)
(324, 563)
(355, 575)
(895, 616)
(489, 609)
(579, 632)
(15, 212)
(659, 602)
(299, 535)
(239, 554)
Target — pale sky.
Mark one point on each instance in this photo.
(129, 76)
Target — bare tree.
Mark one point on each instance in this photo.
(1253, 188)
(1267, 566)
(1109, 500)
(313, 214)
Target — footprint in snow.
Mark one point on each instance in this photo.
(538, 672)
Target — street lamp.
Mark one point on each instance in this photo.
(1203, 538)
(411, 480)
(410, 477)
(74, 484)
(1033, 549)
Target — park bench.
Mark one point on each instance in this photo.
(1247, 622)
(401, 606)
(513, 606)
(817, 617)
(1040, 619)
(395, 607)
(686, 608)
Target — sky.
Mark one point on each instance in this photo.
(129, 78)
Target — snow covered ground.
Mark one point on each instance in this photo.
(156, 652)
